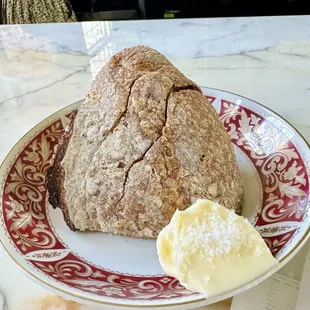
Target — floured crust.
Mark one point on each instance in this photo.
(145, 143)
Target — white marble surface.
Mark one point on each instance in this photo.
(46, 67)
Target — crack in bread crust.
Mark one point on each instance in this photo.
(174, 89)
(115, 125)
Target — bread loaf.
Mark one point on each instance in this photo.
(144, 143)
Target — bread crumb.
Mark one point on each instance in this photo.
(49, 302)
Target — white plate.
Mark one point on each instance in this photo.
(116, 271)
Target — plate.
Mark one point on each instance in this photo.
(116, 271)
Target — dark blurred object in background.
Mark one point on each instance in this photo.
(223, 8)
(155, 9)
(106, 9)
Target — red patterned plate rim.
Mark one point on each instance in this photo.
(195, 298)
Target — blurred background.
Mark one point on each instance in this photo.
(158, 9)
(97, 10)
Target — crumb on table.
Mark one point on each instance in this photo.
(49, 302)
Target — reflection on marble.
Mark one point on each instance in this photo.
(46, 67)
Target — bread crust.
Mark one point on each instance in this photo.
(145, 143)
(54, 178)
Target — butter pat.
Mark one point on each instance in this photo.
(212, 250)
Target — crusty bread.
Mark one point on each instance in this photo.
(144, 143)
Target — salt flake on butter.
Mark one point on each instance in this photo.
(212, 250)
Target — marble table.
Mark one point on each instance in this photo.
(45, 67)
